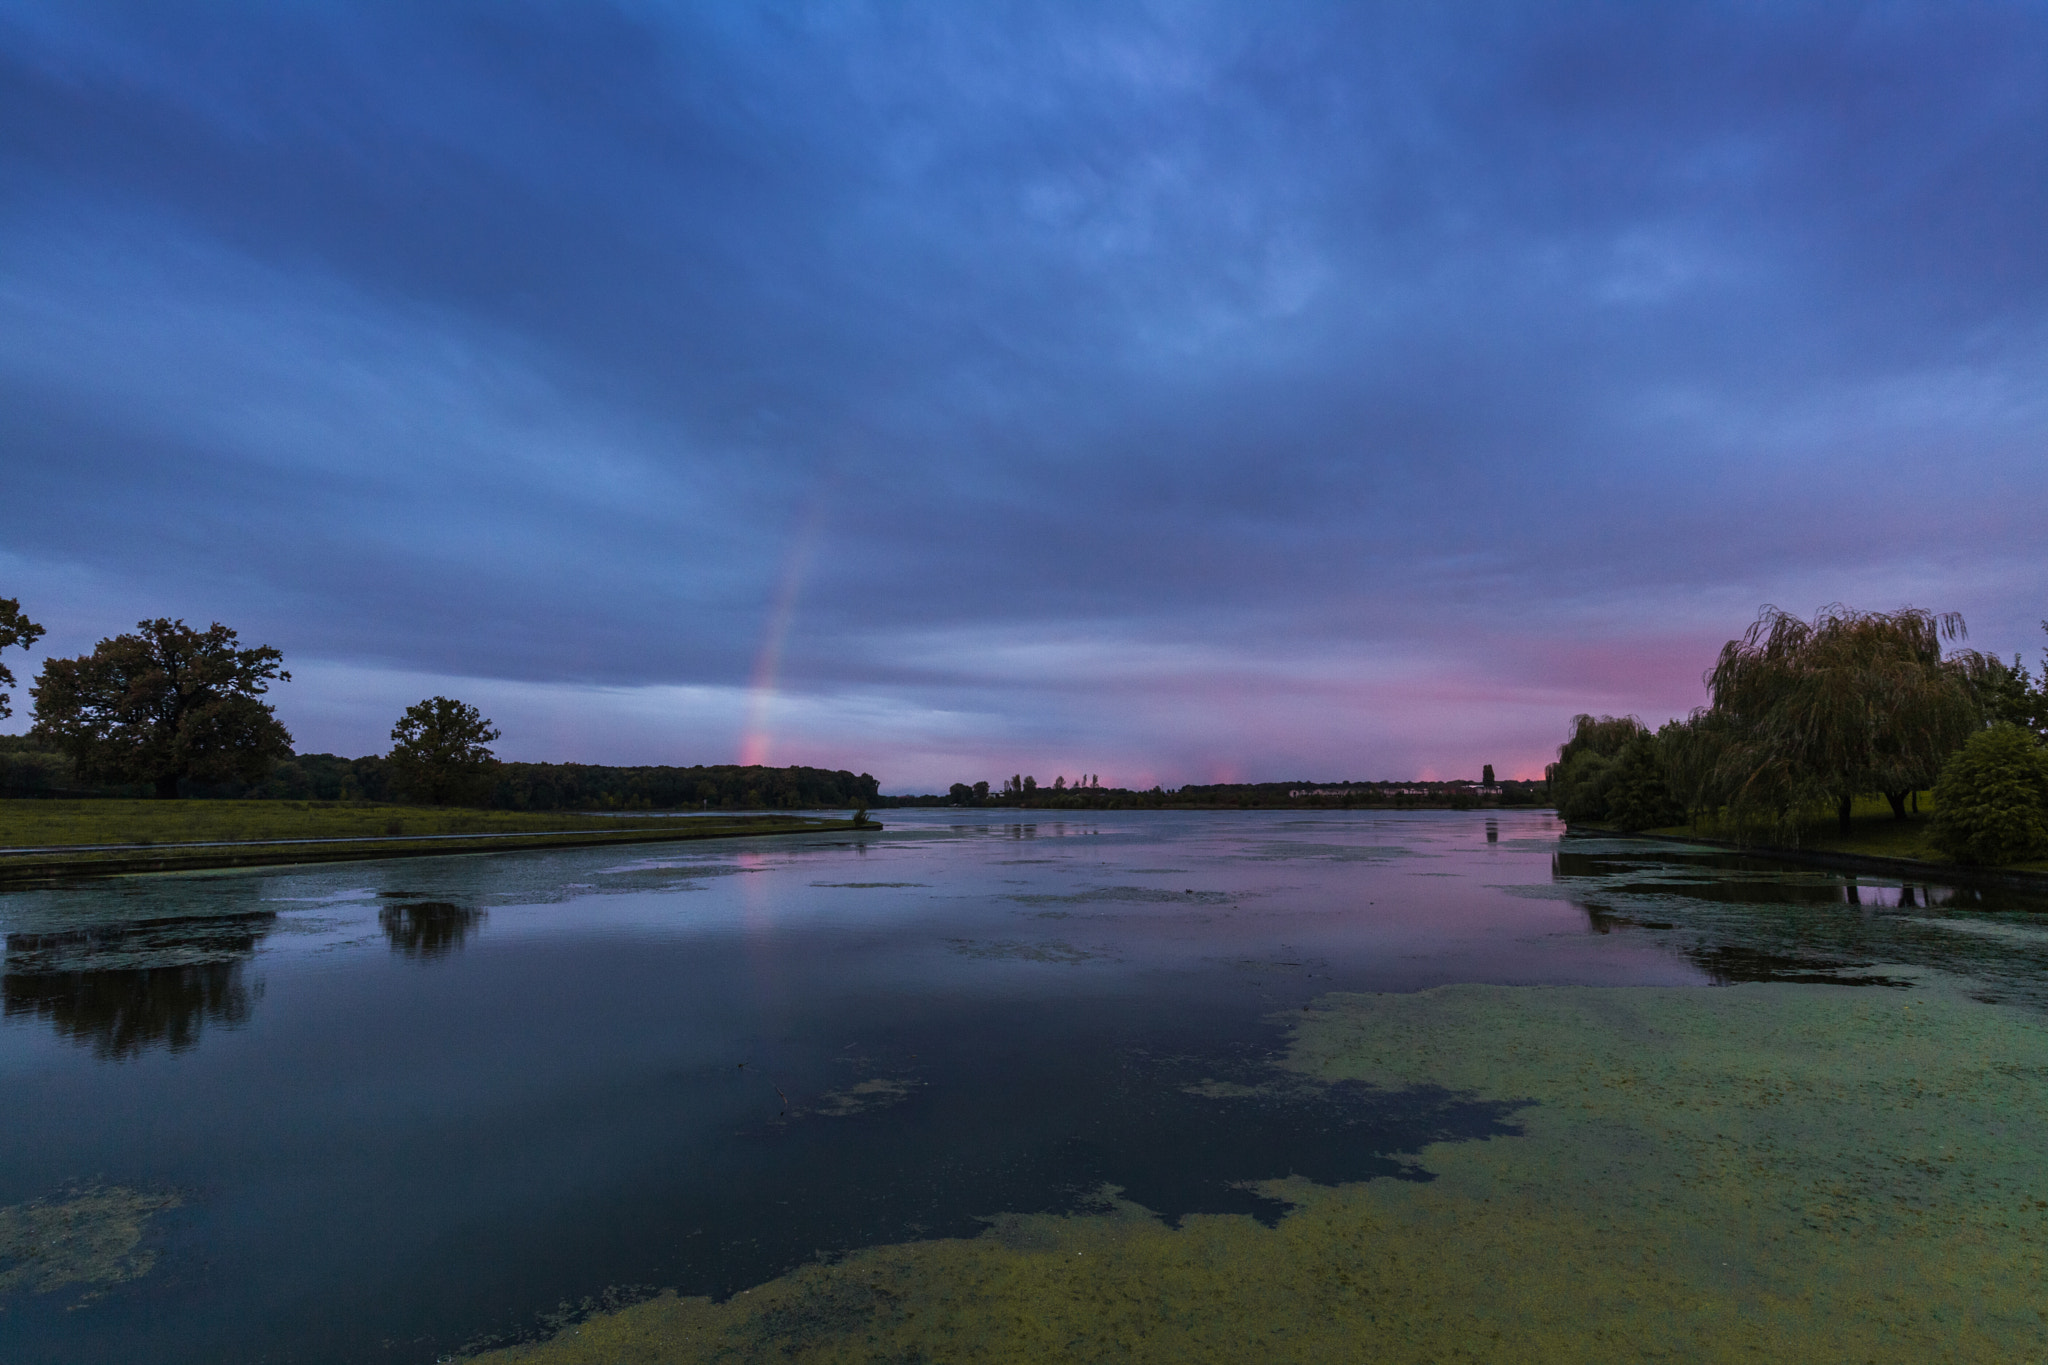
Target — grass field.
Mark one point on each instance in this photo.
(48, 824)
(100, 838)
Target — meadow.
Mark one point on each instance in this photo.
(41, 839)
(51, 824)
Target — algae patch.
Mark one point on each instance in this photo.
(1759, 1172)
(1820, 1172)
(1290, 850)
(87, 1236)
(879, 1092)
(998, 950)
(1126, 895)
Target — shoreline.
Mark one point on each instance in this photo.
(1915, 869)
(40, 867)
(1382, 808)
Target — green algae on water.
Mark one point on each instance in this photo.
(877, 1092)
(1761, 1172)
(89, 1236)
(1859, 1175)
(1051, 950)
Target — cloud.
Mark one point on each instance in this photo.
(1184, 385)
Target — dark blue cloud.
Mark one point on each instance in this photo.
(1081, 379)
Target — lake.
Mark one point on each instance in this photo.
(1010, 1085)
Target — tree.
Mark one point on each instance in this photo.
(1692, 751)
(1850, 702)
(1585, 763)
(1638, 790)
(15, 629)
(1991, 804)
(164, 704)
(441, 753)
(2009, 695)
(1486, 776)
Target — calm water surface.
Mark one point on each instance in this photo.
(413, 1107)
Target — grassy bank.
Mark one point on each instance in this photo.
(43, 824)
(1874, 832)
(65, 838)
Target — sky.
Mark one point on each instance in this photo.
(1174, 392)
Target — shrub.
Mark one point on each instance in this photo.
(1991, 801)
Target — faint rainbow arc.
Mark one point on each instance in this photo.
(756, 736)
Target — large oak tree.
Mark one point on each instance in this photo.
(165, 704)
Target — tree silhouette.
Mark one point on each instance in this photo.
(1849, 702)
(164, 704)
(442, 754)
(15, 629)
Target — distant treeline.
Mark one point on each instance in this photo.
(28, 770)
(1302, 795)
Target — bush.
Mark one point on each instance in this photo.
(1991, 802)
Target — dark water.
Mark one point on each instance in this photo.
(415, 1106)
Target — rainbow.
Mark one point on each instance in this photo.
(756, 734)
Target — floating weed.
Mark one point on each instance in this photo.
(1135, 895)
(87, 1236)
(1290, 850)
(878, 1092)
(992, 950)
(1757, 1172)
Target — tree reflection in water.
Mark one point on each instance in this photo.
(123, 989)
(423, 929)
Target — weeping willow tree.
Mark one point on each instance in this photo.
(1808, 713)
(1692, 751)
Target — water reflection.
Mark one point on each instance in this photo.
(1119, 1032)
(122, 990)
(1735, 879)
(1740, 918)
(423, 929)
(1726, 964)
(1604, 919)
